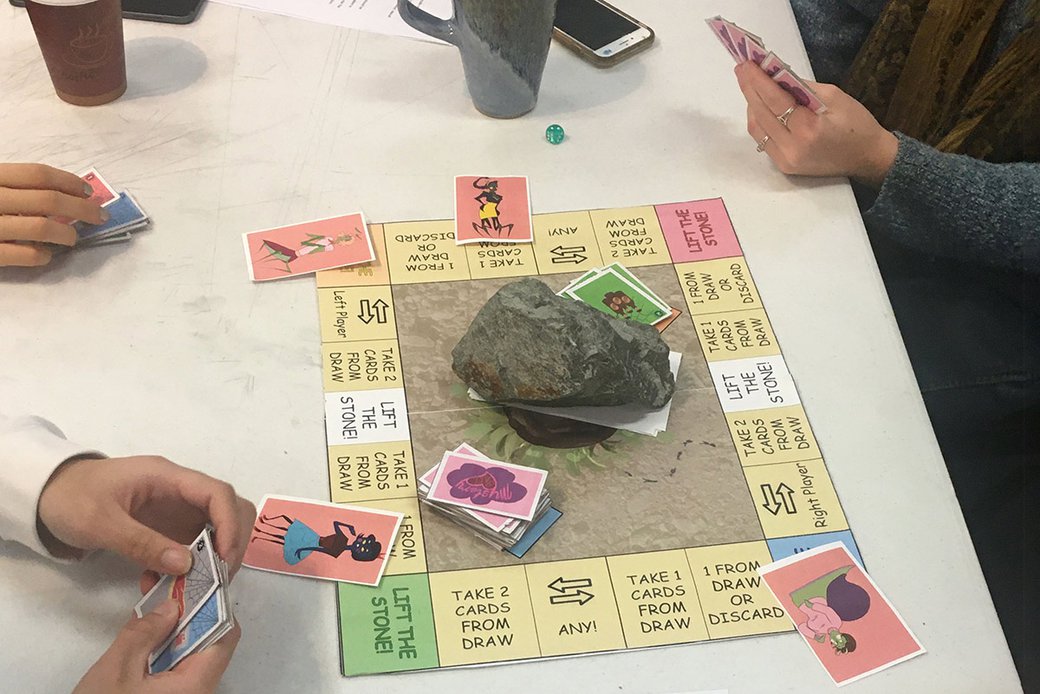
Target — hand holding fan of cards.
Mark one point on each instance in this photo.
(745, 46)
(124, 214)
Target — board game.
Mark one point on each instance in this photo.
(660, 536)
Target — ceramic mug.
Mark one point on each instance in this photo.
(503, 44)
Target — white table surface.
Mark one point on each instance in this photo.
(243, 121)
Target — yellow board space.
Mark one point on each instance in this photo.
(795, 499)
(631, 236)
(736, 335)
(574, 607)
(713, 286)
(657, 598)
(356, 313)
(361, 472)
(424, 252)
(735, 600)
(361, 365)
(493, 260)
(565, 242)
(483, 616)
(776, 435)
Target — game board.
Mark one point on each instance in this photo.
(660, 536)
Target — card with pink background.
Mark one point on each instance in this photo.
(487, 485)
(300, 249)
(315, 539)
(841, 614)
(496, 523)
(492, 209)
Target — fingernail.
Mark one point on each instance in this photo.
(176, 561)
(105, 216)
(87, 190)
(168, 609)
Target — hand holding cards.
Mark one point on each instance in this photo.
(204, 602)
(745, 46)
(124, 214)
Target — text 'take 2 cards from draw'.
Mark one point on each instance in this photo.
(314, 539)
(499, 488)
(851, 627)
(304, 248)
(492, 209)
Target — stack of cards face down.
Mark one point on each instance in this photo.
(504, 504)
(615, 291)
(744, 46)
(125, 215)
(204, 601)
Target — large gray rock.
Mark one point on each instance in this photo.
(527, 345)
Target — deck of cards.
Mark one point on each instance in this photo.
(744, 46)
(505, 505)
(125, 214)
(205, 605)
(615, 291)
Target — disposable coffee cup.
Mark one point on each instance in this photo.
(82, 44)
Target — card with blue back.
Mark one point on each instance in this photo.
(125, 215)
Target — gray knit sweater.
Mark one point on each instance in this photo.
(943, 205)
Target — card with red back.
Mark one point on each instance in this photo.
(841, 614)
(103, 192)
(718, 27)
(301, 249)
(492, 209)
(772, 64)
(487, 485)
(802, 92)
(316, 539)
(495, 522)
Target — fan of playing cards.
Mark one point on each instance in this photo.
(744, 46)
(205, 605)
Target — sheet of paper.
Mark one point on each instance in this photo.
(378, 16)
(628, 417)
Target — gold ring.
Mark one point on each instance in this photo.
(762, 144)
(785, 115)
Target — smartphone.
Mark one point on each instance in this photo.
(169, 11)
(598, 32)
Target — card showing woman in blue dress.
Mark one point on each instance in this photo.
(322, 540)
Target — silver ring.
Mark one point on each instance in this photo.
(762, 144)
(785, 115)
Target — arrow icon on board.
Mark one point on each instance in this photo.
(570, 590)
(782, 497)
(568, 254)
(373, 311)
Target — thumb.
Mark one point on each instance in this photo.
(142, 636)
(147, 547)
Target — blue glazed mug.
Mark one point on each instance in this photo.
(503, 44)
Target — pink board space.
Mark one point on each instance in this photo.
(699, 230)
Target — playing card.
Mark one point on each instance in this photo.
(495, 522)
(718, 27)
(614, 295)
(841, 614)
(487, 485)
(756, 53)
(667, 320)
(103, 193)
(492, 209)
(190, 590)
(300, 249)
(315, 539)
(124, 214)
(534, 533)
(620, 269)
(194, 636)
(802, 92)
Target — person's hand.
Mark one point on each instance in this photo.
(144, 508)
(123, 669)
(845, 140)
(33, 198)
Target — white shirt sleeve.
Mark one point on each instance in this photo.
(31, 449)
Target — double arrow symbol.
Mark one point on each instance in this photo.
(570, 591)
(373, 311)
(780, 498)
(568, 254)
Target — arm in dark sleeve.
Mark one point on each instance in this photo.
(955, 206)
(833, 32)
